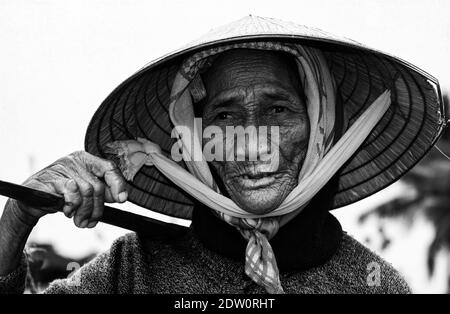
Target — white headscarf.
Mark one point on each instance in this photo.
(322, 161)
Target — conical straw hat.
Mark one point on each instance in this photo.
(410, 127)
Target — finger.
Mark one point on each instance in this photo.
(117, 185)
(109, 195)
(99, 196)
(112, 176)
(83, 213)
(72, 196)
(92, 224)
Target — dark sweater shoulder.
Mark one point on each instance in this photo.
(183, 265)
(121, 269)
(356, 269)
(352, 269)
(381, 276)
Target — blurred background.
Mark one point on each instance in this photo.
(60, 59)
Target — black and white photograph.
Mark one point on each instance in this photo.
(224, 152)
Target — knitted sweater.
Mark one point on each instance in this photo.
(184, 265)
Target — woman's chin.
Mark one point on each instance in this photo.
(258, 202)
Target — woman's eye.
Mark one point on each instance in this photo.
(223, 115)
(278, 109)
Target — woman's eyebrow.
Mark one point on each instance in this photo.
(277, 94)
(225, 99)
(231, 97)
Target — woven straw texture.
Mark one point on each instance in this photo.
(412, 124)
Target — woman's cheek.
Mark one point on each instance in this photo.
(293, 139)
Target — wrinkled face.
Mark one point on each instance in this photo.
(257, 88)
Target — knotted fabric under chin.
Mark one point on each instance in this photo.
(322, 160)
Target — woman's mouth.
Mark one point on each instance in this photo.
(257, 190)
(256, 180)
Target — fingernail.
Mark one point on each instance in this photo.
(92, 224)
(84, 223)
(123, 196)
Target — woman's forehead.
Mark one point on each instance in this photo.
(243, 68)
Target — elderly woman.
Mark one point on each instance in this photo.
(345, 121)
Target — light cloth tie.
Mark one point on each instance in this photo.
(322, 160)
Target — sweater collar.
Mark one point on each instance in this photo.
(308, 240)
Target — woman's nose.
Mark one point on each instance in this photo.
(251, 143)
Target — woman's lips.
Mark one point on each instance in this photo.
(256, 180)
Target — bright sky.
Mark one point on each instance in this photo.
(60, 59)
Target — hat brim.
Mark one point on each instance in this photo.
(410, 127)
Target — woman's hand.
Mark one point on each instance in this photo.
(85, 181)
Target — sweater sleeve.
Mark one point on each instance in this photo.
(14, 283)
(119, 270)
(97, 276)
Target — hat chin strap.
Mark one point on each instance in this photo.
(322, 161)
